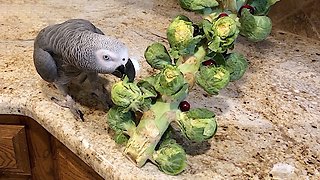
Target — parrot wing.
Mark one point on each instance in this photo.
(45, 65)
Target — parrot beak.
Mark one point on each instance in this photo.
(126, 70)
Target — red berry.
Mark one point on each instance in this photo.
(184, 106)
(222, 15)
(209, 62)
(247, 6)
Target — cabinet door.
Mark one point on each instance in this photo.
(14, 156)
(71, 167)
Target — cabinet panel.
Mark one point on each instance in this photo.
(14, 156)
(69, 166)
(41, 159)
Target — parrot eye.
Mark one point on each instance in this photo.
(123, 59)
(105, 57)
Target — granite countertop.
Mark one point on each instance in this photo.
(269, 120)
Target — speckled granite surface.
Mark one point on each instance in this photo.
(269, 120)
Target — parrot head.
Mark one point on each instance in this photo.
(117, 63)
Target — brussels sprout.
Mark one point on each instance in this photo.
(255, 28)
(221, 33)
(237, 65)
(119, 118)
(212, 79)
(170, 158)
(121, 122)
(225, 27)
(127, 95)
(157, 56)
(180, 32)
(197, 5)
(169, 81)
(198, 124)
(262, 7)
(180, 37)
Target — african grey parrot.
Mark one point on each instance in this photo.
(76, 48)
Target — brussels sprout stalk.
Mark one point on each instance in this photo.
(152, 126)
(198, 125)
(189, 66)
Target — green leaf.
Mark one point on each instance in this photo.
(157, 56)
(237, 65)
(262, 7)
(255, 28)
(197, 5)
(217, 57)
(207, 28)
(200, 113)
(121, 138)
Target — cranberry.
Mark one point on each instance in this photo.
(247, 6)
(222, 15)
(209, 62)
(184, 106)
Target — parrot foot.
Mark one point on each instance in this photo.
(69, 103)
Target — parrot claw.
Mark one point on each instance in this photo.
(69, 103)
(77, 114)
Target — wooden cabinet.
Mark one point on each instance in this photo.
(28, 151)
(14, 157)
